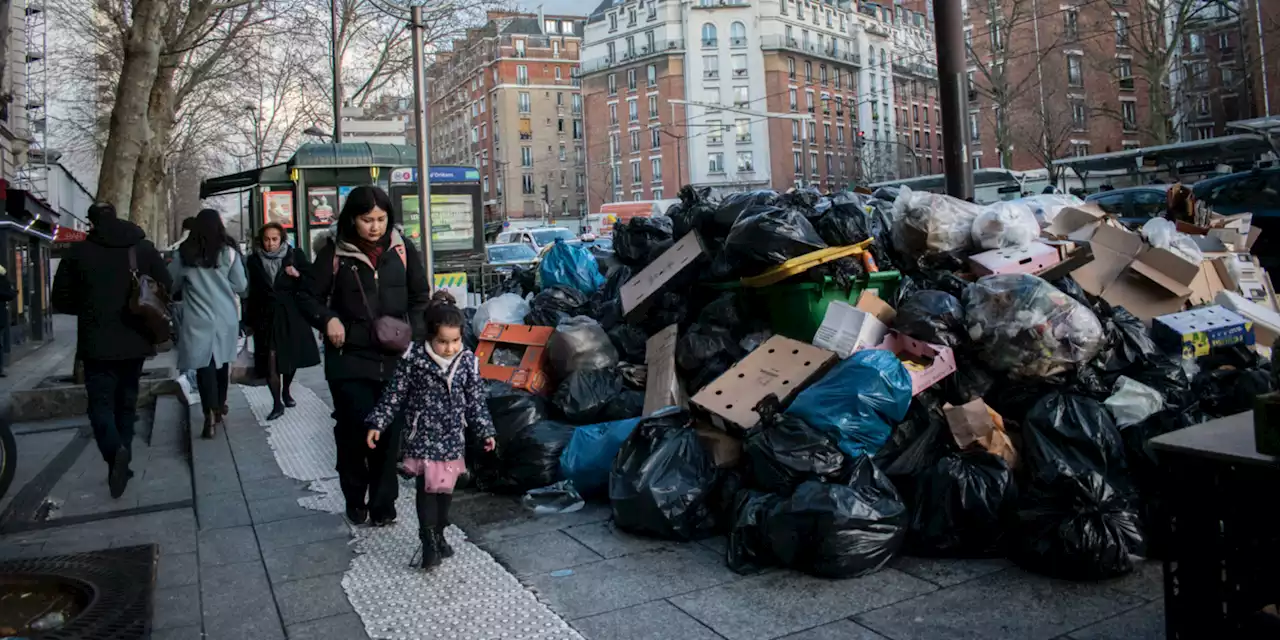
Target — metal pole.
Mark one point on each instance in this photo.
(1262, 57)
(337, 72)
(420, 121)
(949, 25)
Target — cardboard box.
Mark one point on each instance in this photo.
(1125, 272)
(1113, 250)
(1196, 332)
(781, 367)
(1029, 259)
(870, 302)
(725, 450)
(530, 374)
(846, 329)
(1214, 276)
(662, 387)
(1243, 274)
(1266, 322)
(1076, 223)
(640, 289)
(1072, 256)
(927, 363)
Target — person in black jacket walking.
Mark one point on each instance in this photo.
(94, 284)
(282, 339)
(365, 272)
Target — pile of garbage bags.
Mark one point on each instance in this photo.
(1035, 448)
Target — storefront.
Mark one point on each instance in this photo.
(27, 230)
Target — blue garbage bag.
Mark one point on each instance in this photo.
(588, 457)
(858, 402)
(570, 265)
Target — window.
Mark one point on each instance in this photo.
(811, 131)
(808, 100)
(743, 127)
(813, 163)
(1111, 203)
(613, 113)
(1079, 117)
(975, 133)
(613, 84)
(1195, 42)
(1124, 71)
(576, 100)
(1122, 30)
(577, 129)
(840, 134)
(713, 97)
(655, 169)
(1129, 114)
(522, 102)
(617, 177)
(826, 133)
(526, 156)
(1075, 71)
(1228, 76)
(653, 106)
(657, 195)
(1199, 72)
(1204, 105)
(653, 10)
(737, 35)
(1079, 149)
(977, 162)
(520, 48)
(1071, 24)
(715, 131)
(555, 50)
(837, 75)
(715, 162)
(791, 67)
(635, 172)
(915, 113)
(796, 159)
(564, 155)
(631, 79)
(1224, 41)
(792, 97)
(711, 66)
(808, 71)
(651, 75)
(997, 42)
(631, 17)
(522, 74)
(795, 131)
(526, 184)
(1150, 203)
(633, 110)
(745, 163)
(741, 96)
(613, 22)
(822, 74)
(708, 36)
(739, 62)
(484, 130)
(485, 184)
(635, 140)
(615, 147)
(475, 135)
(655, 139)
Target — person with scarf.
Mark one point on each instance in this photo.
(282, 339)
(365, 272)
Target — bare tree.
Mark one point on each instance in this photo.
(1047, 125)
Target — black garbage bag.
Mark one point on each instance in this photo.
(733, 206)
(1128, 342)
(934, 317)
(589, 396)
(695, 206)
(960, 505)
(470, 339)
(1152, 500)
(968, 383)
(769, 236)
(1075, 433)
(516, 464)
(784, 452)
(554, 305)
(748, 549)
(663, 482)
(669, 307)
(1075, 526)
(1229, 379)
(839, 530)
(630, 341)
(526, 279)
(705, 352)
(722, 312)
(641, 240)
(914, 443)
(531, 459)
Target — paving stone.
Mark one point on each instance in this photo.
(1144, 623)
(717, 545)
(521, 523)
(1007, 604)
(228, 546)
(621, 582)
(222, 510)
(296, 531)
(346, 626)
(272, 488)
(260, 623)
(607, 540)
(948, 572)
(256, 468)
(312, 598)
(1146, 581)
(541, 553)
(177, 491)
(176, 570)
(229, 588)
(307, 560)
(838, 630)
(273, 509)
(656, 620)
(176, 607)
(782, 602)
(182, 633)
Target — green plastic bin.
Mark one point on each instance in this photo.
(796, 310)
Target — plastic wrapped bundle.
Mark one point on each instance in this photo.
(1025, 326)
(1005, 225)
(925, 223)
(592, 396)
(1047, 206)
(580, 343)
(663, 482)
(1163, 234)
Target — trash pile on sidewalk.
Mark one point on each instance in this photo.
(833, 380)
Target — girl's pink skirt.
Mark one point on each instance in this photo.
(438, 477)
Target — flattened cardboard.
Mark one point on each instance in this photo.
(1167, 270)
(1076, 221)
(1034, 257)
(530, 375)
(846, 329)
(1113, 250)
(638, 291)
(1266, 322)
(1214, 276)
(662, 387)
(781, 366)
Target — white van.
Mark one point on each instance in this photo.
(538, 237)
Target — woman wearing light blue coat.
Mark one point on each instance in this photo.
(210, 275)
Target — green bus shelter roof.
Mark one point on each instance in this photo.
(231, 183)
(352, 154)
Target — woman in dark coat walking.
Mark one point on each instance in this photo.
(365, 272)
(282, 338)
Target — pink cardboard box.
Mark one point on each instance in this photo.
(1028, 259)
(941, 360)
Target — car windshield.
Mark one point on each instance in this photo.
(603, 243)
(511, 253)
(547, 236)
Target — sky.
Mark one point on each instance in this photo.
(566, 7)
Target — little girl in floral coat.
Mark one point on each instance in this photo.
(437, 384)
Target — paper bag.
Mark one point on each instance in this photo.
(976, 424)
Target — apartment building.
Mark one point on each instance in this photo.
(915, 75)
(507, 99)
(1260, 38)
(736, 95)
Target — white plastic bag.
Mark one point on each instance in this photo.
(1026, 326)
(1005, 225)
(1163, 234)
(925, 223)
(507, 308)
(1133, 402)
(1047, 206)
(580, 343)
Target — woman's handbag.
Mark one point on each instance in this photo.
(392, 334)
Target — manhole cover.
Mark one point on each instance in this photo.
(102, 595)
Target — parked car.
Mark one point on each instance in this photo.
(510, 253)
(1256, 192)
(538, 237)
(1133, 205)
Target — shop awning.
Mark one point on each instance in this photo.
(67, 234)
(231, 183)
(352, 154)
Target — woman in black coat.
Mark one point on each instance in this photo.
(366, 271)
(282, 338)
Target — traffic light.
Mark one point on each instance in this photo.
(862, 138)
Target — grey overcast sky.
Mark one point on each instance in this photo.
(567, 7)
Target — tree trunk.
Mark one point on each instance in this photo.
(129, 129)
(147, 207)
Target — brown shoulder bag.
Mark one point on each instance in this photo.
(149, 303)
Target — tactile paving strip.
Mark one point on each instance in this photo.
(468, 597)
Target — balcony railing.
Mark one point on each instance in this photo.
(737, 43)
(661, 47)
(710, 43)
(916, 69)
(791, 44)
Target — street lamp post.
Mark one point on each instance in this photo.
(420, 121)
(337, 71)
